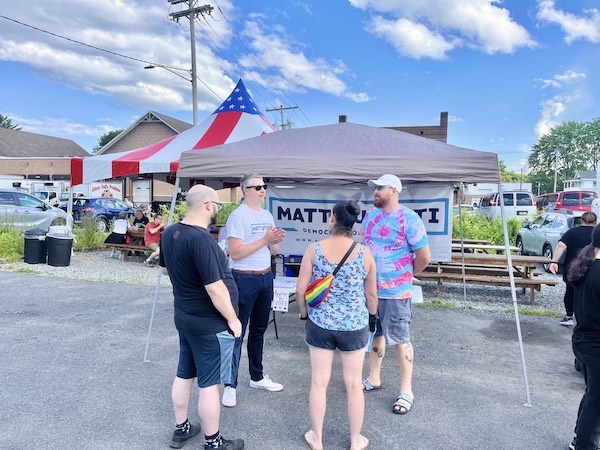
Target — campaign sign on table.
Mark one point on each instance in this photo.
(303, 211)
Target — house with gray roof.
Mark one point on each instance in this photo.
(36, 156)
(584, 180)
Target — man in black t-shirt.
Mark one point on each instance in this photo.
(206, 299)
(572, 242)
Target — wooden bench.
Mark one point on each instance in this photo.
(126, 248)
(534, 284)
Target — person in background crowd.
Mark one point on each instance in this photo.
(397, 238)
(252, 239)
(119, 232)
(139, 219)
(571, 244)
(584, 274)
(340, 322)
(152, 238)
(205, 318)
(128, 202)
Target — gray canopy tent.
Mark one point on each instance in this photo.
(347, 153)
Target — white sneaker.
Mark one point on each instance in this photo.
(266, 384)
(229, 397)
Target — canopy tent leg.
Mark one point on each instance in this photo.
(514, 295)
(159, 273)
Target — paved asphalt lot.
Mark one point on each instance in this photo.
(72, 376)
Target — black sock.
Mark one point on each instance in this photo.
(183, 427)
(214, 441)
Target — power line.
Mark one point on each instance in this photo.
(257, 62)
(151, 63)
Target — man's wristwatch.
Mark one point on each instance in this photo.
(302, 318)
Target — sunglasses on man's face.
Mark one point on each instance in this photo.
(257, 187)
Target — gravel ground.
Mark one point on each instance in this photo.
(99, 266)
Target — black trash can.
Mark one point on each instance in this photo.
(35, 246)
(59, 249)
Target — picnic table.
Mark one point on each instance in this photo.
(136, 244)
(470, 241)
(482, 248)
(488, 269)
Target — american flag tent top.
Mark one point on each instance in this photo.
(236, 119)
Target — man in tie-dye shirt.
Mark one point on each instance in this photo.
(397, 238)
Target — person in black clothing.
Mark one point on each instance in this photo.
(584, 273)
(571, 244)
(206, 301)
(140, 220)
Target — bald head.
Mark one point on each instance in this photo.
(200, 194)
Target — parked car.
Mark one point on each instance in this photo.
(516, 204)
(26, 211)
(540, 236)
(572, 200)
(102, 209)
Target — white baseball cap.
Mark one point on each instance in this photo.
(387, 180)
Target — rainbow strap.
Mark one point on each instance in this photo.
(317, 291)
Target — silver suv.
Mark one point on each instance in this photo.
(26, 211)
(540, 236)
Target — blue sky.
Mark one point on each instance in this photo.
(506, 71)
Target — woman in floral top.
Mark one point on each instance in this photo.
(340, 322)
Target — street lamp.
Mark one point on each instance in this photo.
(194, 87)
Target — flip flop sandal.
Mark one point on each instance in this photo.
(312, 447)
(367, 442)
(367, 386)
(404, 404)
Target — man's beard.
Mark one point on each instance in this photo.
(213, 219)
(378, 202)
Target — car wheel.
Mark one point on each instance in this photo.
(101, 225)
(519, 243)
(547, 253)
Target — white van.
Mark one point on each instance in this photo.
(518, 204)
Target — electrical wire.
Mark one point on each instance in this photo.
(257, 62)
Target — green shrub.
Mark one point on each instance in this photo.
(86, 236)
(11, 244)
(181, 211)
(477, 226)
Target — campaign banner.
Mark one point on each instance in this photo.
(304, 211)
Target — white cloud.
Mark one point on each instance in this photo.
(552, 111)
(455, 119)
(444, 25)
(411, 39)
(558, 80)
(60, 127)
(291, 68)
(575, 27)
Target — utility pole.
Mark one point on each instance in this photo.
(282, 109)
(191, 14)
(555, 168)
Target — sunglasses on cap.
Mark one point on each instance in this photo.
(257, 187)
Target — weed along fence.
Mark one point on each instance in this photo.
(488, 269)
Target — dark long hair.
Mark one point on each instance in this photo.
(580, 266)
(345, 218)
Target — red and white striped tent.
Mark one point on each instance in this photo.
(236, 119)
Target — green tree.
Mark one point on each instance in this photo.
(509, 176)
(6, 122)
(568, 148)
(105, 139)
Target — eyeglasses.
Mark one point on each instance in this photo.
(381, 188)
(258, 187)
(219, 205)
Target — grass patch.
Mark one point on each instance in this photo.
(23, 270)
(440, 304)
(11, 244)
(87, 238)
(533, 312)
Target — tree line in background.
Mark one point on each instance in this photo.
(569, 147)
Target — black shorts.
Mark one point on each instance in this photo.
(346, 341)
(206, 356)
